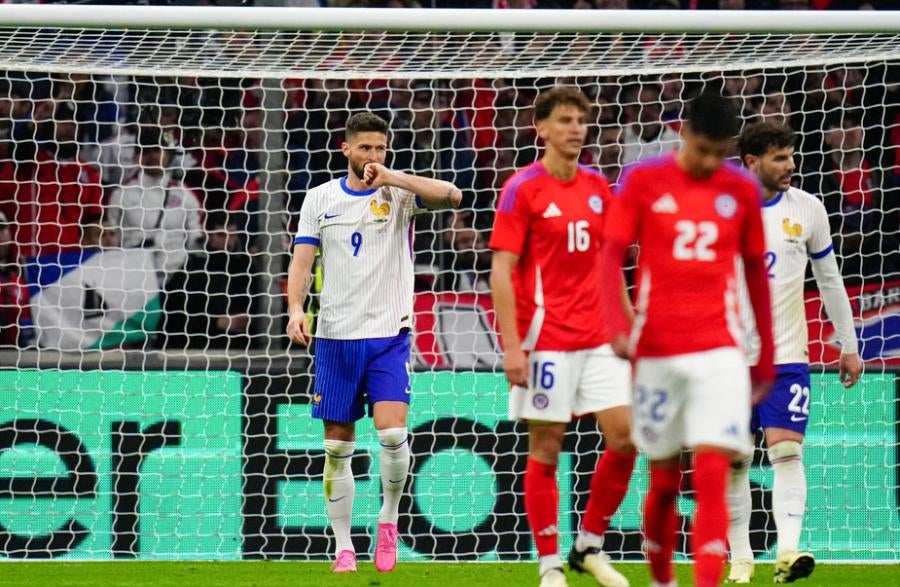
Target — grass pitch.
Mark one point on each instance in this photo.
(292, 574)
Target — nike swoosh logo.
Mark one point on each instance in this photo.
(327, 217)
(798, 418)
(337, 499)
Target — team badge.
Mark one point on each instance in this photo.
(596, 203)
(792, 230)
(317, 399)
(540, 401)
(380, 211)
(726, 205)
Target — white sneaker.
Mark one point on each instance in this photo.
(554, 578)
(595, 563)
(741, 572)
(791, 566)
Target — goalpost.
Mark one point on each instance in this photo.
(150, 405)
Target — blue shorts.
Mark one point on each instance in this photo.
(787, 406)
(353, 374)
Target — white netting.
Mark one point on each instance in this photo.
(151, 181)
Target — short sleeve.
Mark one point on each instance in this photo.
(308, 227)
(819, 243)
(622, 221)
(511, 220)
(753, 238)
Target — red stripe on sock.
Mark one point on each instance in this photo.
(542, 505)
(608, 487)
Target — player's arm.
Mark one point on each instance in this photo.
(435, 193)
(299, 278)
(834, 296)
(515, 363)
(620, 232)
(300, 271)
(756, 274)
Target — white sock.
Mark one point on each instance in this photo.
(394, 469)
(339, 491)
(551, 561)
(788, 493)
(586, 540)
(739, 504)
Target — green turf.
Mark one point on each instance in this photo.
(291, 574)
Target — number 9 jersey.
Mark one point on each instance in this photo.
(555, 228)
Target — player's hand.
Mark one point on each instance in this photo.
(376, 175)
(760, 384)
(850, 367)
(298, 329)
(620, 346)
(515, 365)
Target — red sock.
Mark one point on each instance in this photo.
(608, 487)
(542, 505)
(711, 520)
(661, 521)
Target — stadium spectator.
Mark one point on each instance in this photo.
(471, 264)
(152, 210)
(62, 200)
(646, 135)
(209, 302)
(609, 152)
(95, 106)
(14, 311)
(854, 191)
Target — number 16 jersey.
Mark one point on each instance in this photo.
(555, 228)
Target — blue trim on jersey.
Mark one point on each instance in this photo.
(350, 192)
(307, 240)
(823, 253)
(420, 204)
(773, 201)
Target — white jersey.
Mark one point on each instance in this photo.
(796, 228)
(365, 238)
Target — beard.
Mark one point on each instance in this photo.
(771, 182)
(358, 170)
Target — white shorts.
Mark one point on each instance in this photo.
(562, 384)
(690, 400)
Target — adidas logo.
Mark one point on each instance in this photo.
(550, 530)
(665, 205)
(552, 211)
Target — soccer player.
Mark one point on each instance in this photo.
(362, 224)
(796, 228)
(693, 215)
(557, 358)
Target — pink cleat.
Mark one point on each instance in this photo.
(386, 548)
(345, 563)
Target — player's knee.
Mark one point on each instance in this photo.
(620, 442)
(546, 448)
(785, 452)
(392, 438)
(340, 431)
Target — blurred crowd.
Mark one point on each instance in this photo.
(175, 166)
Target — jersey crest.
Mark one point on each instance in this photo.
(381, 212)
(793, 231)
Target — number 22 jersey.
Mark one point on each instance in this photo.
(555, 228)
(691, 232)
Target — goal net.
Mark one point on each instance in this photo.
(152, 166)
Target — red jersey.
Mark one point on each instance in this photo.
(690, 233)
(555, 228)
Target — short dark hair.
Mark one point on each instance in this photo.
(756, 139)
(365, 122)
(547, 101)
(713, 115)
